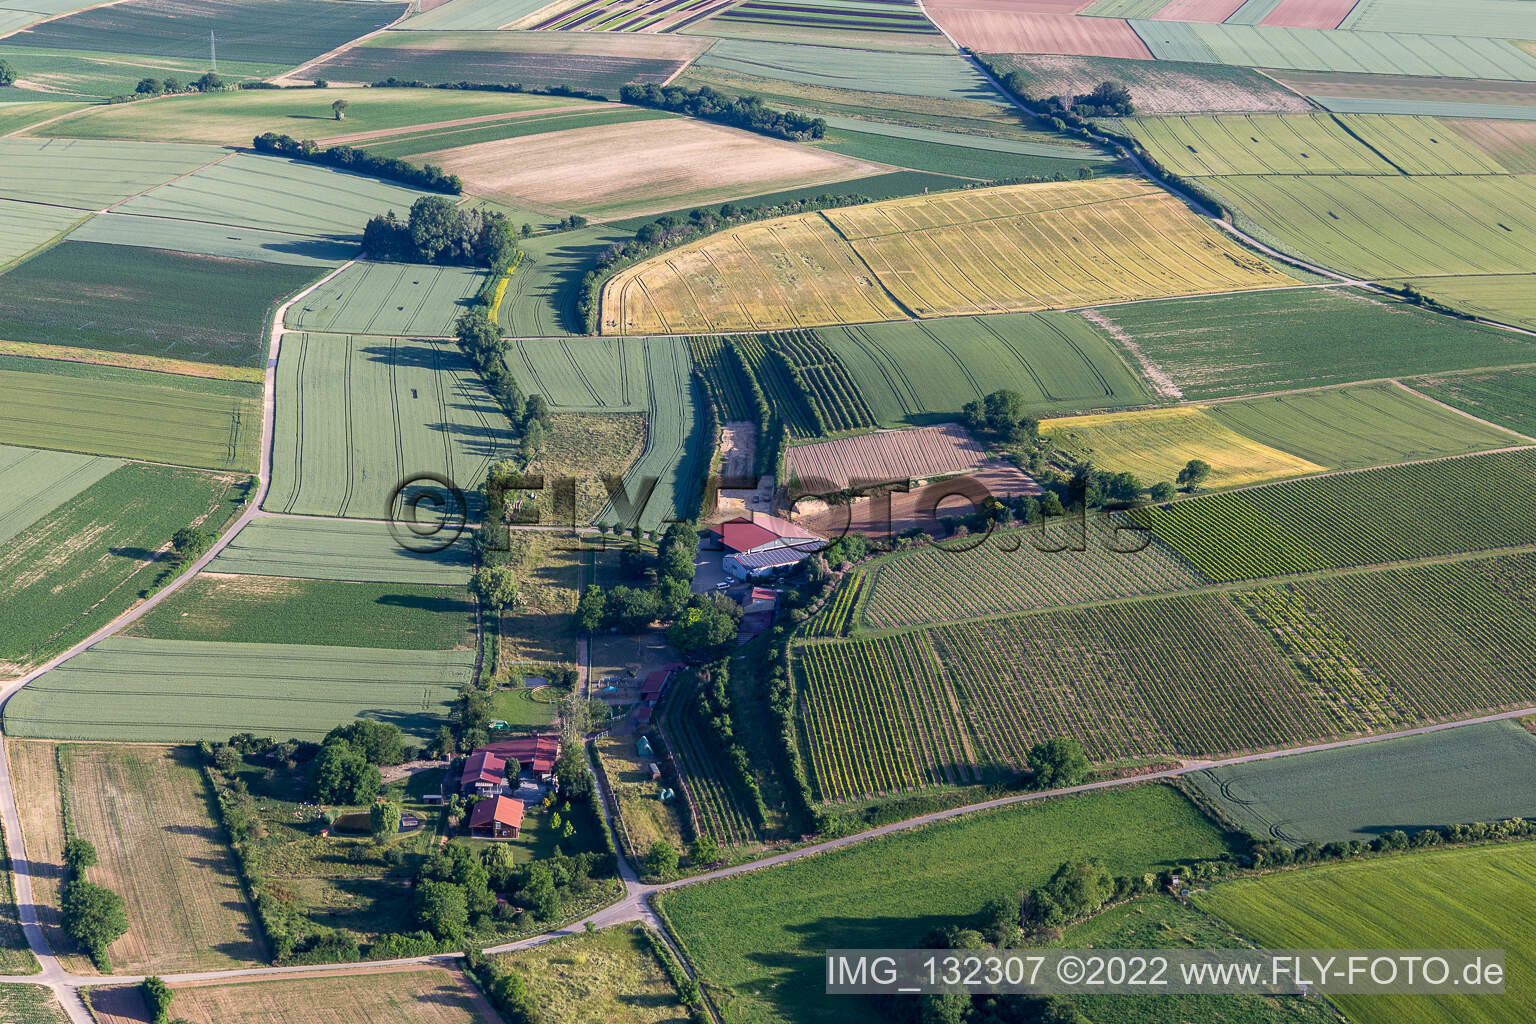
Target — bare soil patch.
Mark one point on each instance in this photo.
(1309, 13)
(1209, 11)
(996, 31)
(923, 507)
(883, 456)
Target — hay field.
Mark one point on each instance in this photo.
(389, 298)
(934, 76)
(405, 994)
(1393, 226)
(181, 691)
(1010, 249)
(80, 565)
(357, 417)
(135, 414)
(1512, 144)
(641, 167)
(1401, 903)
(34, 482)
(333, 549)
(234, 118)
(1156, 444)
(883, 456)
(147, 811)
(605, 977)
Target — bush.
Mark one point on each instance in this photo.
(346, 158)
(745, 112)
(93, 917)
(157, 999)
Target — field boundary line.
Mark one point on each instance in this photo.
(1462, 412)
(278, 79)
(113, 206)
(56, 17)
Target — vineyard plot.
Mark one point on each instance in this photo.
(704, 774)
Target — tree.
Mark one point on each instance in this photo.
(478, 333)
(436, 224)
(384, 819)
(7, 74)
(1057, 762)
(342, 775)
(1123, 488)
(79, 854)
(378, 742)
(208, 82)
(631, 609)
(538, 893)
(701, 631)
(661, 858)
(147, 87)
(1194, 474)
(1161, 491)
(339, 110)
(442, 909)
(157, 999)
(93, 917)
(589, 610)
(703, 850)
(190, 544)
(496, 585)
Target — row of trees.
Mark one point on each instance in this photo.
(749, 113)
(92, 914)
(346, 158)
(438, 230)
(150, 87)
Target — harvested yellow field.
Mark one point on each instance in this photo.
(1156, 444)
(1011, 249)
(403, 994)
(640, 167)
(35, 774)
(145, 808)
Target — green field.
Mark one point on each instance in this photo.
(1377, 515)
(1357, 427)
(323, 613)
(221, 240)
(389, 298)
(147, 302)
(234, 118)
(1390, 227)
(80, 75)
(582, 374)
(1158, 87)
(76, 568)
(274, 193)
(129, 688)
(541, 298)
(530, 59)
(1502, 298)
(34, 482)
(16, 116)
(1161, 921)
(759, 940)
(274, 31)
(27, 226)
(135, 414)
(916, 373)
(935, 76)
(1227, 345)
(1475, 18)
(1412, 645)
(30, 1004)
(358, 417)
(1507, 398)
(664, 483)
(588, 115)
(469, 15)
(90, 175)
(1306, 49)
(925, 149)
(1476, 898)
(332, 549)
(936, 583)
(1476, 773)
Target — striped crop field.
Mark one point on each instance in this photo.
(877, 17)
(715, 808)
(725, 376)
(581, 374)
(935, 255)
(1391, 226)
(649, 16)
(79, 566)
(34, 482)
(88, 175)
(665, 482)
(129, 688)
(1016, 570)
(333, 549)
(364, 415)
(837, 613)
(1507, 397)
(1502, 298)
(1376, 515)
(1315, 143)
(1305, 49)
(1155, 445)
(831, 395)
(388, 298)
(26, 226)
(132, 414)
(1411, 645)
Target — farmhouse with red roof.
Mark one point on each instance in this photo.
(758, 545)
(497, 818)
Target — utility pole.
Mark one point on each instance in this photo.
(213, 53)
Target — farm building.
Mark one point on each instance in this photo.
(759, 546)
(655, 684)
(497, 818)
(484, 774)
(534, 754)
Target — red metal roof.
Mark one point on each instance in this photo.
(742, 534)
(483, 766)
(526, 749)
(503, 809)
